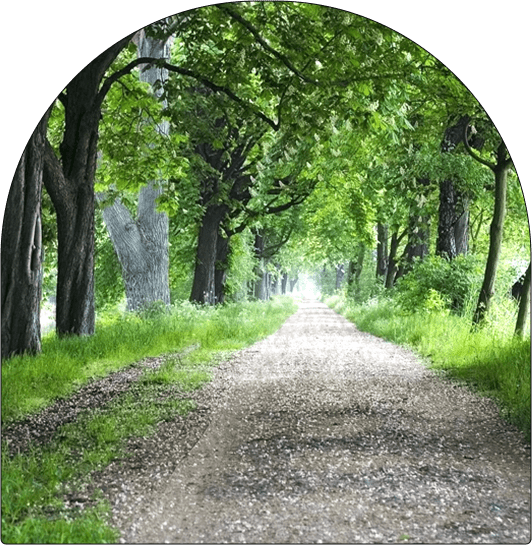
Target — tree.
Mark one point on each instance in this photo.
(271, 236)
(500, 170)
(447, 218)
(453, 215)
(142, 243)
(22, 251)
(284, 67)
(417, 246)
(382, 250)
(524, 304)
(70, 184)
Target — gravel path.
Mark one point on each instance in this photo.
(322, 433)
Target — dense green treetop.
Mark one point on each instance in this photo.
(316, 103)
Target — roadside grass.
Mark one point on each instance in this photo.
(34, 483)
(491, 360)
(32, 382)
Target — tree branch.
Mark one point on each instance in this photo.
(221, 89)
(475, 156)
(54, 178)
(189, 73)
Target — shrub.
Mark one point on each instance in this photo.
(437, 284)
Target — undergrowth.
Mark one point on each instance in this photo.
(34, 483)
(491, 359)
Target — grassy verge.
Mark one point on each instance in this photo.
(32, 382)
(490, 360)
(34, 483)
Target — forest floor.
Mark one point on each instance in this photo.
(322, 433)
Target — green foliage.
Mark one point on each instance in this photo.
(438, 284)
(135, 148)
(108, 283)
(241, 266)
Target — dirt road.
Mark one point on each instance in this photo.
(321, 433)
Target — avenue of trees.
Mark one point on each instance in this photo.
(222, 152)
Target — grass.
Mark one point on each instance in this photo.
(32, 382)
(491, 360)
(33, 483)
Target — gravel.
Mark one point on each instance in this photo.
(322, 433)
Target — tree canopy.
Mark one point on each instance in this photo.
(290, 127)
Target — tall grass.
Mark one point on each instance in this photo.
(33, 483)
(32, 382)
(490, 359)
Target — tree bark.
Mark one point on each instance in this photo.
(221, 267)
(261, 287)
(142, 248)
(359, 265)
(284, 282)
(453, 225)
(382, 250)
(22, 251)
(392, 263)
(496, 231)
(142, 244)
(203, 289)
(70, 184)
(75, 250)
(355, 268)
(524, 305)
(461, 228)
(446, 243)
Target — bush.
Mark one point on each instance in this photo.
(437, 284)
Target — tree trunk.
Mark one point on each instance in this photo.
(418, 243)
(75, 248)
(392, 263)
(359, 265)
(275, 284)
(446, 244)
(453, 226)
(461, 229)
(524, 305)
(142, 244)
(284, 282)
(382, 250)
(220, 268)
(355, 269)
(142, 248)
(496, 230)
(203, 290)
(339, 276)
(22, 251)
(292, 283)
(70, 184)
(261, 290)
(261, 287)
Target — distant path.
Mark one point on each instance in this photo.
(324, 433)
